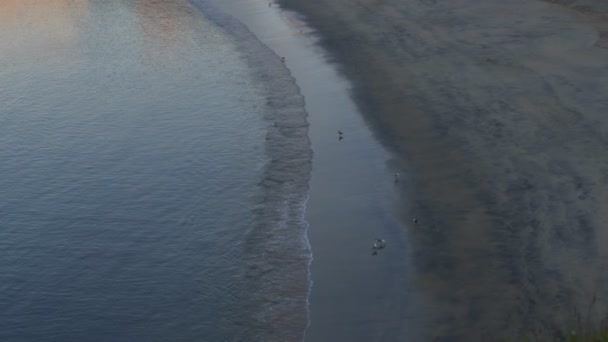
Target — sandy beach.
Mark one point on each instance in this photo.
(497, 111)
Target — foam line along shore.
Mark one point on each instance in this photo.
(355, 295)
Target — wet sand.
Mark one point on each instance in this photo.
(497, 110)
(355, 296)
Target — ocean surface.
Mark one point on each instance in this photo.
(154, 171)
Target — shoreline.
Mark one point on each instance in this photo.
(496, 110)
(277, 253)
(355, 295)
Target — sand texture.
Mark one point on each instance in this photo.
(499, 111)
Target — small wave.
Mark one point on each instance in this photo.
(276, 249)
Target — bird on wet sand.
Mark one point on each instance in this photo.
(379, 244)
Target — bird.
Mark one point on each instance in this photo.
(415, 220)
(396, 177)
(379, 244)
(340, 132)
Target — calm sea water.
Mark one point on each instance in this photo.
(153, 176)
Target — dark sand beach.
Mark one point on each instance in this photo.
(497, 110)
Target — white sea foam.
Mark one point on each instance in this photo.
(277, 254)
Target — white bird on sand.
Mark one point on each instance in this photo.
(379, 244)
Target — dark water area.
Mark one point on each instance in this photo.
(148, 178)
